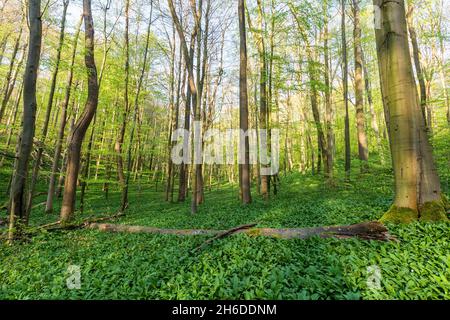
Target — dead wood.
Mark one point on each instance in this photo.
(372, 230)
(225, 233)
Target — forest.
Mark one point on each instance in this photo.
(235, 149)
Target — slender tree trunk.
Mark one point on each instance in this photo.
(62, 126)
(120, 139)
(171, 117)
(79, 131)
(345, 84)
(135, 112)
(417, 186)
(37, 161)
(312, 72)
(264, 178)
(363, 150)
(328, 105)
(17, 205)
(193, 88)
(244, 167)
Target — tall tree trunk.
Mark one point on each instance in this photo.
(17, 204)
(312, 72)
(188, 57)
(417, 186)
(172, 115)
(79, 131)
(373, 113)
(345, 85)
(37, 161)
(120, 139)
(328, 105)
(135, 112)
(264, 178)
(244, 171)
(62, 126)
(363, 150)
(184, 166)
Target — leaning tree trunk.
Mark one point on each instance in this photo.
(25, 143)
(417, 186)
(63, 121)
(79, 131)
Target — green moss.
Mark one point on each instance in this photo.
(446, 202)
(434, 210)
(400, 215)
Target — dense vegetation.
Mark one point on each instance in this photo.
(350, 98)
(140, 266)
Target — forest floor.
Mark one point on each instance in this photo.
(149, 266)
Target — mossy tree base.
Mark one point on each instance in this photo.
(400, 215)
(430, 211)
(434, 211)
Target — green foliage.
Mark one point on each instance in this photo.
(143, 266)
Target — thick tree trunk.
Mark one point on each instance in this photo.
(244, 171)
(79, 131)
(417, 187)
(25, 144)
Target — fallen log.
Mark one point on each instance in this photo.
(224, 234)
(77, 225)
(372, 230)
(142, 229)
(56, 225)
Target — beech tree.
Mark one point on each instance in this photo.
(417, 187)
